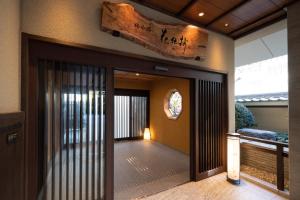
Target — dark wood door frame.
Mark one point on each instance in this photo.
(34, 47)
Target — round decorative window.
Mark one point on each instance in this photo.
(173, 104)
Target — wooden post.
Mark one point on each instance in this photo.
(280, 167)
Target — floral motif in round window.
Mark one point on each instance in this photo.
(173, 104)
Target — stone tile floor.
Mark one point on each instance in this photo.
(216, 188)
(143, 168)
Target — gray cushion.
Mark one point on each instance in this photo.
(263, 134)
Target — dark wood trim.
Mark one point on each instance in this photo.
(262, 149)
(280, 168)
(109, 139)
(264, 141)
(28, 105)
(148, 111)
(186, 7)
(194, 131)
(226, 122)
(227, 12)
(42, 140)
(266, 106)
(12, 155)
(211, 173)
(131, 92)
(129, 139)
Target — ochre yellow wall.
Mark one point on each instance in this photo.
(132, 84)
(173, 133)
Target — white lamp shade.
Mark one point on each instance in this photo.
(233, 158)
(147, 134)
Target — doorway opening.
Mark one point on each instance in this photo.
(148, 164)
(70, 158)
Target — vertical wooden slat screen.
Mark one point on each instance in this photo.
(138, 115)
(131, 114)
(73, 108)
(121, 116)
(212, 121)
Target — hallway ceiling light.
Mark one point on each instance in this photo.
(201, 14)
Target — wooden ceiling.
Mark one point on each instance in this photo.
(234, 18)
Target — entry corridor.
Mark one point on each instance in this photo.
(143, 168)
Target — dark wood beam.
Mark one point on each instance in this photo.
(186, 7)
(242, 34)
(164, 11)
(262, 17)
(254, 22)
(230, 34)
(228, 12)
(159, 9)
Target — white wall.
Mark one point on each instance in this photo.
(9, 56)
(79, 21)
(279, 26)
(261, 45)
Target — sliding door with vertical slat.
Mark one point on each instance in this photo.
(72, 105)
(139, 115)
(131, 113)
(211, 127)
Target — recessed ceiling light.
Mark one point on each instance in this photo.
(226, 25)
(137, 74)
(201, 14)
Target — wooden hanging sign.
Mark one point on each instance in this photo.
(173, 40)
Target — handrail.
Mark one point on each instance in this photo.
(263, 148)
(279, 158)
(265, 141)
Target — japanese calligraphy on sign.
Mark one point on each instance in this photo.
(177, 41)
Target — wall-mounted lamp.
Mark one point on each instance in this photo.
(233, 158)
(147, 134)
